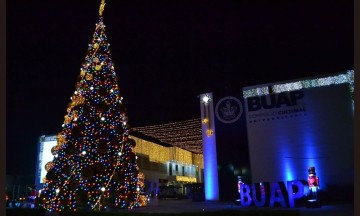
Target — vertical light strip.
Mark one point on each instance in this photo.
(209, 147)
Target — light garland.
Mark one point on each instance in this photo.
(342, 78)
(184, 134)
(165, 154)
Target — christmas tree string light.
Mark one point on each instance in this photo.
(94, 165)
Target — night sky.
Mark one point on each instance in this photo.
(165, 52)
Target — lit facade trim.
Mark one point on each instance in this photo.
(338, 79)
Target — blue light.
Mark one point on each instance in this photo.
(289, 171)
(209, 149)
(210, 169)
(298, 155)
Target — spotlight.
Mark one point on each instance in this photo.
(206, 99)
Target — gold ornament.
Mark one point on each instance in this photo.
(98, 67)
(75, 113)
(48, 166)
(96, 45)
(142, 199)
(89, 76)
(102, 7)
(78, 100)
(209, 132)
(67, 119)
(82, 72)
(81, 100)
(71, 104)
(54, 149)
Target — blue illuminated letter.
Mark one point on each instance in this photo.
(292, 195)
(276, 195)
(245, 198)
(261, 202)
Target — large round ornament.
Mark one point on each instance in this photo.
(48, 166)
(98, 67)
(88, 76)
(54, 150)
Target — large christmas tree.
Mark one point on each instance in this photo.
(94, 165)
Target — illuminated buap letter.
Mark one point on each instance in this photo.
(283, 99)
(261, 202)
(245, 197)
(253, 103)
(276, 195)
(296, 95)
(292, 195)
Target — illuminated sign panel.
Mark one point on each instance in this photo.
(289, 131)
(44, 156)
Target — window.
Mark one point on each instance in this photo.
(170, 169)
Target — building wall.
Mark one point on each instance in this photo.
(307, 127)
(167, 166)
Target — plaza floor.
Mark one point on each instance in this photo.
(185, 206)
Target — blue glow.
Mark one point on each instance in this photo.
(209, 150)
(311, 151)
(289, 171)
(287, 162)
(210, 169)
(299, 153)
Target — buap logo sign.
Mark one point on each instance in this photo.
(229, 109)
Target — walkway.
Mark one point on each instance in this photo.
(183, 206)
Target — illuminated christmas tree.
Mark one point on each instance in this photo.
(94, 164)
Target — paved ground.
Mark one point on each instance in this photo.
(179, 206)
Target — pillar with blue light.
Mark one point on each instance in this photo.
(209, 148)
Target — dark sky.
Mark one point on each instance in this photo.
(165, 52)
